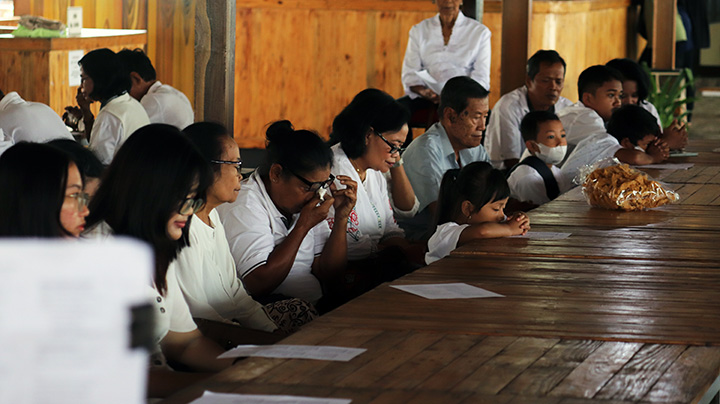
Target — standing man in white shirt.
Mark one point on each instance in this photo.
(543, 84)
(453, 142)
(163, 103)
(21, 120)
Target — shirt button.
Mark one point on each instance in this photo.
(162, 310)
(159, 299)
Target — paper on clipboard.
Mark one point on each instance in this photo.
(430, 81)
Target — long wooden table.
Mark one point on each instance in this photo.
(624, 310)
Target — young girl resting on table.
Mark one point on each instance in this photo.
(470, 207)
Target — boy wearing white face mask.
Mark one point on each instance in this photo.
(536, 178)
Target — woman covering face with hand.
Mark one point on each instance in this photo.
(277, 231)
(40, 200)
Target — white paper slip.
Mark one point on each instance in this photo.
(544, 235)
(446, 291)
(430, 81)
(227, 398)
(319, 352)
(679, 166)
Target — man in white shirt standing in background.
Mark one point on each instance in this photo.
(21, 120)
(163, 103)
(543, 84)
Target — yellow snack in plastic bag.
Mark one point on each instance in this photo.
(621, 187)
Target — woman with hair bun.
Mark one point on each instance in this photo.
(276, 227)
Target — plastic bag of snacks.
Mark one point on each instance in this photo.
(610, 184)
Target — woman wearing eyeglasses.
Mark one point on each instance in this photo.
(277, 231)
(370, 132)
(156, 181)
(206, 269)
(41, 200)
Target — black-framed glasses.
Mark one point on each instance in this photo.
(393, 148)
(237, 164)
(191, 205)
(82, 199)
(314, 186)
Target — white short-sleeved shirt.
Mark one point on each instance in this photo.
(503, 140)
(208, 280)
(466, 54)
(527, 185)
(254, 226)
(426, 160)
(165, 104)
(398, 212)
(116, 121)
(580, 122)
(171, 311)
(29, 121)
(589, 151)
(371, 220)
(443, 241)
(651, 108)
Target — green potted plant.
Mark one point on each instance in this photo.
(669, 97)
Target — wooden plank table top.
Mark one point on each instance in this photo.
(406, 366)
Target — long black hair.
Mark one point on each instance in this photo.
(477, 182)
(371, 108)
(149, 177)
(209, 138)
(108, 72)
(33, 178)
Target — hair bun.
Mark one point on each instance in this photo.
(279, 130)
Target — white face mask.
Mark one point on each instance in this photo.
(551, 155)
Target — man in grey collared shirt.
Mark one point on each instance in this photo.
(451, 143)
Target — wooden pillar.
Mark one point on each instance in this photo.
(474, 9)
(516, 19)
(215, 61)
(663, 34)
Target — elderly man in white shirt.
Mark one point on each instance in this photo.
(543, 84)
(21, 120)
(163, 103)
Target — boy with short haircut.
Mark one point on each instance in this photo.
(536, 178)
(599, 89)
(636, 129)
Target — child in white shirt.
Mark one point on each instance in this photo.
(470, 207)
(536, 178)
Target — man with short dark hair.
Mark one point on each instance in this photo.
(451, 143)
(543, 84)
(163, 103)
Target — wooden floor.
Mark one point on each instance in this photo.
(624, 310)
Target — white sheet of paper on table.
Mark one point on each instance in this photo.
(447, 291)
(317, 352)
(66, 321)
(544, 235)
(669, 166)
(210, 397)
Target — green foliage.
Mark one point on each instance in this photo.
(666, 98)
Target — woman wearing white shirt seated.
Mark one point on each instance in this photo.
(276, 227)
(369, 133)
(447, 45)
(150, 191)
(206, 270)
(104, 78)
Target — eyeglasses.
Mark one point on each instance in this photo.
(82, 199)
(191, 205)
(237, 164)
(393, 148)
(314, 186)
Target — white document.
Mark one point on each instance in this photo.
(446, 291)
(226, 398)
(65, 321)
(430, 81)
(544, 235)
(74, 21)
(73, 67)
(669, 166)
(319, 352)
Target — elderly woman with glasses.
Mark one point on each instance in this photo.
(155, 183)
(281, 243)
(42, 193)
(369, 133)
